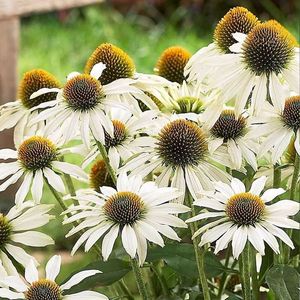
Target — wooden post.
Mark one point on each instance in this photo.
(9, 46)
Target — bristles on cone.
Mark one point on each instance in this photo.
(171, 63)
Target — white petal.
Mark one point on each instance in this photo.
(37, 186)
(75, 279)
(108, 241)
(239, 240)
(15, 282)
(97, 70)
(150, 233)
(87, 295)
(10, 295)
(8, 153)
(96, 235)
(24, 188)
(256, 240)
(54, 180)
(43, 91)
(270, 194)
(53, 267)
(237, 186)
(19, 255)
(129, 240)
(258, 185)
(32, 238)
(31, 272)
(71, 169)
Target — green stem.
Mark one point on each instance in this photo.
(276, 176)
(161, 279)
(276, 184)
(293, 192)
(245, 272)
(125, 289)
(255, 283)
(199, 252)
(139, 279)
(224, 275)
(106, 160)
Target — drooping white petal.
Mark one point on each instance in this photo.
(15, 282)
(270, 194)
(108, 241)
(32, 238)
(54, 180)
(129, 240)
(24, 188)
(86, 295)
(7, 294)
(37, 186)
(239, 240)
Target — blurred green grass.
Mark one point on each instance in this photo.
(61, 48)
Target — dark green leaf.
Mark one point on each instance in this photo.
(284, 281)
(181, 258)
(112, 271)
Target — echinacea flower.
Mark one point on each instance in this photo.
(34, 288)
(232, 133)
(137, 211)
(125, 140)
(16, 231)
(237, 19)
(262, 62)
(18, 113)
(37, 160)
(279, 126)
(241, 216)
(171, 63)
(178, 150)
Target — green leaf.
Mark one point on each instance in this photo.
(181, 258)
(112, 271)
(284, 281)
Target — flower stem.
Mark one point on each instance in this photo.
(276, 176)
(293, 192)
(199, 252)
(255, 283)
(224, 275)
(276, 184)
(104, 155)
(245, 272)
(139, 279)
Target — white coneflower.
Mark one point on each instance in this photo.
(35, 288)
(279, 126)
(187, 100)
(241, 215)
(179, 150)
(232, 133)
(16, 231)
(18, 113)
(81, 103)
(125, 141)
(137, 211)
(264, 59)
(237, 19)
(37, 160)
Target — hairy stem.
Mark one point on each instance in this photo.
(245, 272)
(139, 279)
(199, 252)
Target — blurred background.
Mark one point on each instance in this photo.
(61, 41)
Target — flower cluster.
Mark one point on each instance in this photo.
(193, 145)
